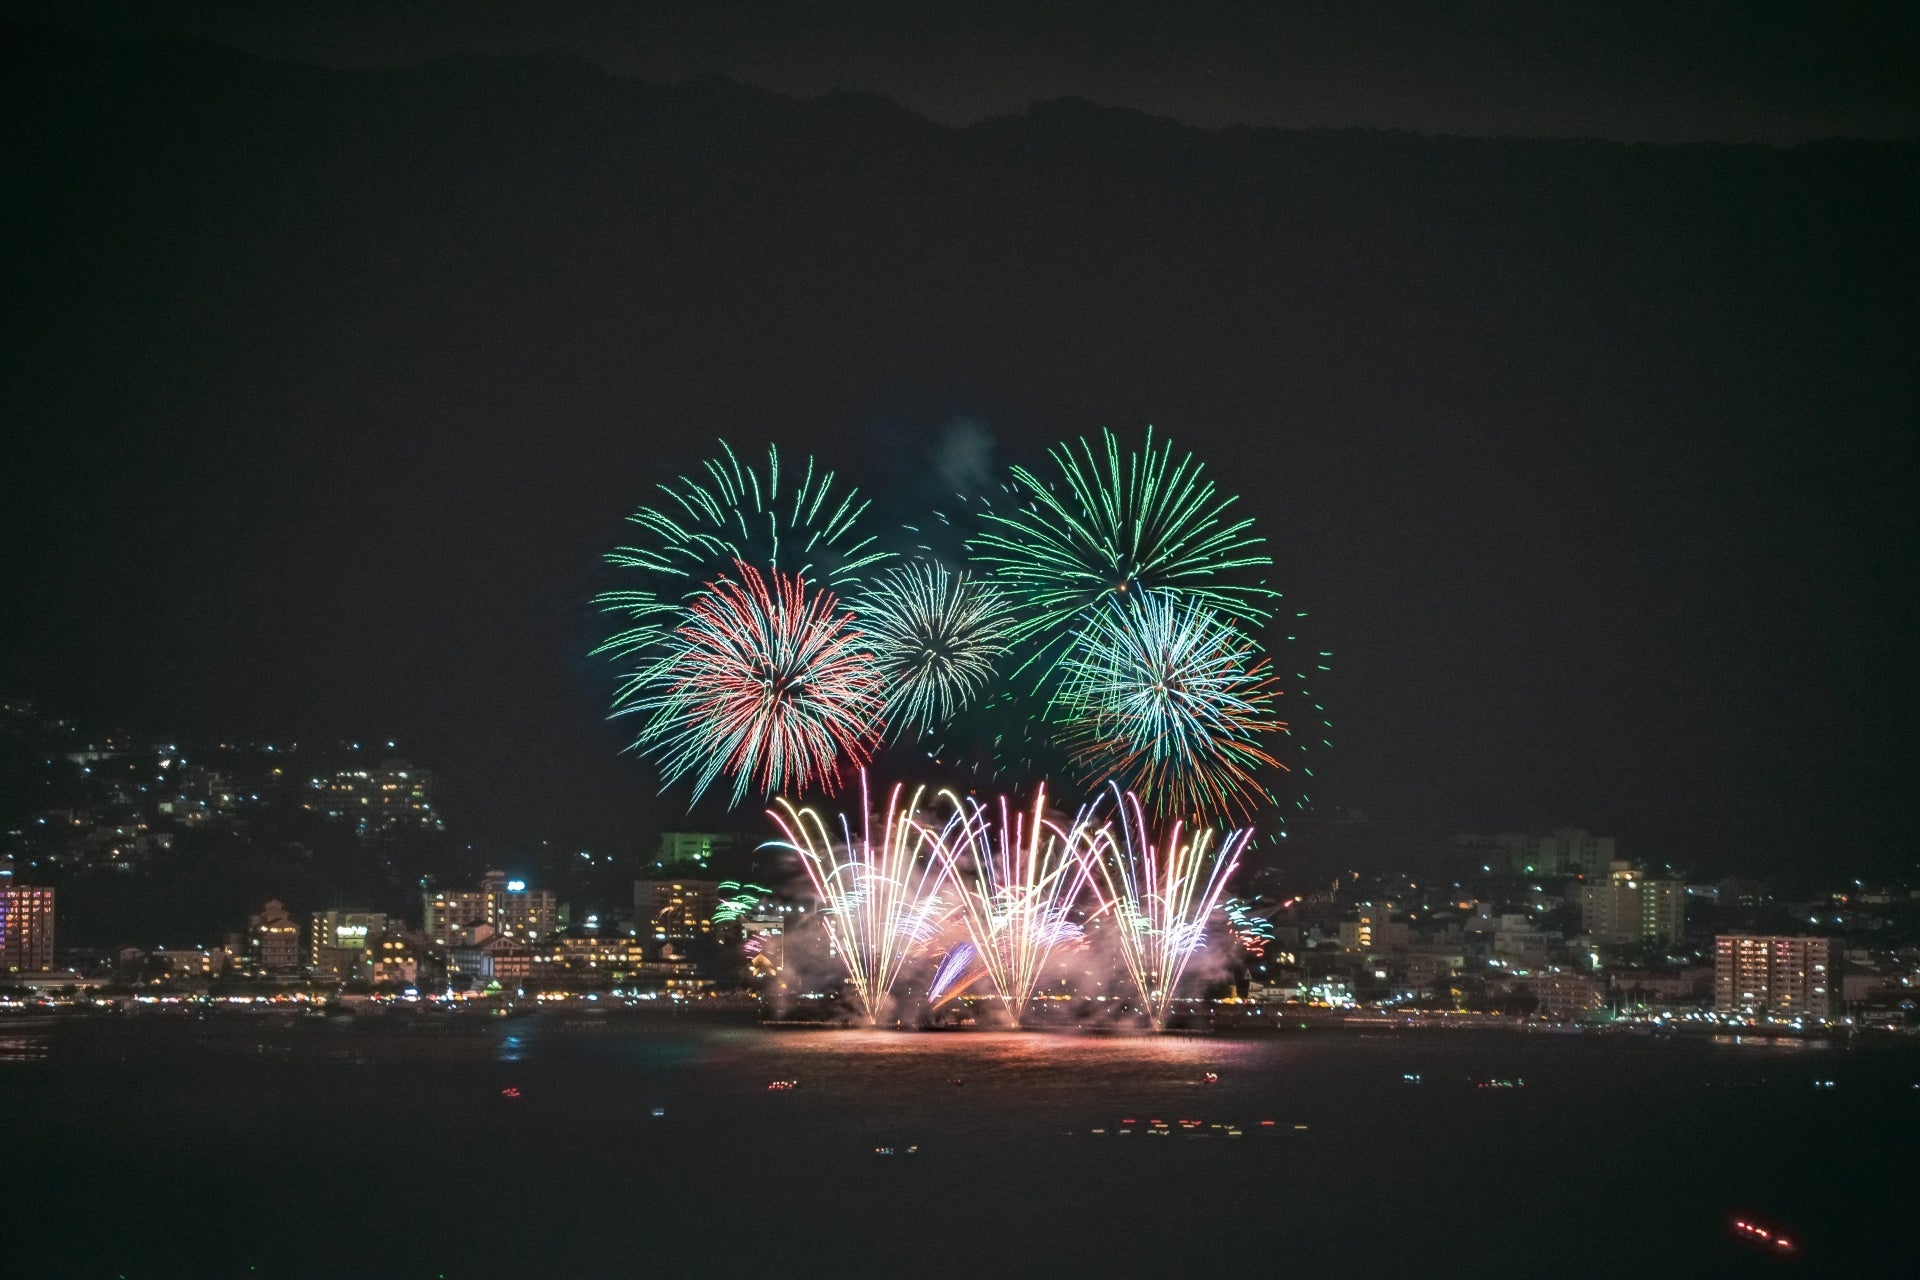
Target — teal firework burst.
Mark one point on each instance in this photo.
(1163, 696)
(935, 635)
(775, 520)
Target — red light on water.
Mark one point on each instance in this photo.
(1754, 1231)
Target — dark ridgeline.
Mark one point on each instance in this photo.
(329, 387)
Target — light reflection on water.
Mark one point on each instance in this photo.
(22, 1048)
(139, 1124)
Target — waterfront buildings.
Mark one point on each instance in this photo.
(1628, 908)
(1775, 978)
(273, 937)
(1567, 995)
(188, 962)
(26, 927)
(502, 902)
(343, 944)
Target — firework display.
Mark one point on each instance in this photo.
(878, 879)
(935, 635)
(1161, 695)
(1017, 884)
(769, 686)
(789, 522)
(1019, 875)
(1251, 930)
(1112, 523)
(1103, 620)
(956, 971)
(738, 900)
(1159, 895)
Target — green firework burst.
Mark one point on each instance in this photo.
(935, 636)
(787, 522)
(1111, 522)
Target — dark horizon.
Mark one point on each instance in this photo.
(1589, 460)
(1778, 74)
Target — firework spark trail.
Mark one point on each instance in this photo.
(1160, 896)
(1021, 878)
(1163, 696)
(701, 527)
(935, 636)
(961, 961)
(766, 684)
(738, 900)
(1252, 930)
(879, 891)
(1145, 521)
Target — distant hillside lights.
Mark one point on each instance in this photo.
(394, 797)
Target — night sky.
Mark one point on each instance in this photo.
(331, 368)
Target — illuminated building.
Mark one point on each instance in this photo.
(394, 797)
(1373, 932)
(505, 903)
(1567, 995)
(26, 927)
(508, 962)
(347, 931)
(588, 960)
(396, 960)
(343, 943)
(1629, 908)
(274, 938)
(677, 909)
(690, 850)
(517, 911)
(1775, 978)
(189, 962)
(451, 914)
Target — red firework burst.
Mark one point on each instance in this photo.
(767, 684)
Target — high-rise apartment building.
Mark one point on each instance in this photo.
(675, 909)
(26, 928)
(520, 912)
(1776, 978)
(274, 938)
(506, 903)
(1627, 907)
(344, 943)
(450, 913)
